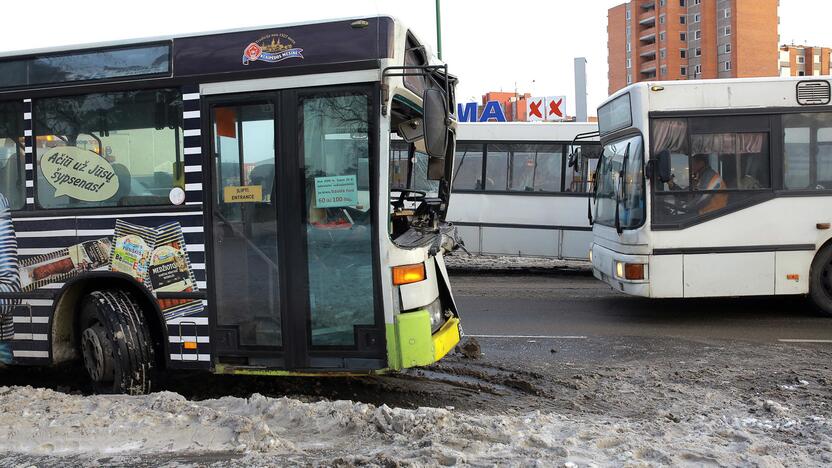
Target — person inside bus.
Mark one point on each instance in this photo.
(704, 178)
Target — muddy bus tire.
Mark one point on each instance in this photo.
(116, 344)
(820, 281)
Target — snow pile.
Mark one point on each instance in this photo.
(460, 261)
(262, 430)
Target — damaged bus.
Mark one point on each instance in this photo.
(223, 202)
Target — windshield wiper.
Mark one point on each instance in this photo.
(594, 197)
(622, 194)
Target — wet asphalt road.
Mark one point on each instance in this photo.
(568, 306)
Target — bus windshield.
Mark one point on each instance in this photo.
(620, 179)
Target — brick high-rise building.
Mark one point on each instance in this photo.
(691, 39)
(800, 60)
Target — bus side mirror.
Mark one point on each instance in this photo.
(665, 174)
(436, 123)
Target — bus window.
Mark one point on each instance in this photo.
(419, 176)
(580, 179)
(11, 154)
(399, 163)
(711, 170)
(807, 151)
(496, 167)
(109, 149)
(468, 166)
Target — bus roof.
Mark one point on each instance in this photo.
(524, 131)
(170, 37)
(733, 93)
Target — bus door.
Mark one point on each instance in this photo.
(293, 261)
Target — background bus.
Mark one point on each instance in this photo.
(514, 192)
(221, 201)
(716, 188)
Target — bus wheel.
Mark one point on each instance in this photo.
(116, 343)
(820, 281)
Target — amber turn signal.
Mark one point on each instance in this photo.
(189, 345)
(406, 274)
(630, 271)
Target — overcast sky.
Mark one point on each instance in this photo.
(525, 44)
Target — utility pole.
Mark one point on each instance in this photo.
(438, 31)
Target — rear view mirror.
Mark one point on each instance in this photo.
(411, 130)
(436, 123)
(665, 174)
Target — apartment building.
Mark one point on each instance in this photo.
(691, 39)
(801, 60)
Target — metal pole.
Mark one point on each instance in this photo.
(438, 31)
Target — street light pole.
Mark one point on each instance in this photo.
(438, 31)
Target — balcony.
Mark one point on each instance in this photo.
(648, 67)
(648, 35)
(647, 19)
(648, 53)
(648, 5)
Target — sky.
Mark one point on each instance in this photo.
(522, 45)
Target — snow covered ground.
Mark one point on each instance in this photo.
(47, 427)
(460, 261)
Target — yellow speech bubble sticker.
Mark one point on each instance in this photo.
(79, 174)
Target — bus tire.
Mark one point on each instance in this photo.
(820, 281)
(116, 344)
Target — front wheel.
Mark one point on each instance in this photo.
(116, 344)
(820, 281)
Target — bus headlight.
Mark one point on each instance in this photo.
(437, 317)
(630, 271)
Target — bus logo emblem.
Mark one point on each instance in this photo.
(272, 48)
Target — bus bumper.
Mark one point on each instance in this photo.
(413, 345)
(604, 268)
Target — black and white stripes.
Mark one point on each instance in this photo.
(191, 124)
(30, 162)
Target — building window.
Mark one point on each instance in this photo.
(727, 12)
(727, 30)
(696, 18)
(727, 66)
(683, 37)
(627, 15)
(683, 71)
(661, 19)
(697, 35)
(682, 19)
(629, 47)
(661, 36)
(681, 3)
(801, 59)
(683, 53)
(728, 48)
(107, 132)
(629, 63)
(663, 53)
(697, 52)
(697, 70)
(697, 2)
(664, 70)
(629, 78)
(661, 2)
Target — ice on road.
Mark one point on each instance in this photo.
(48, 426)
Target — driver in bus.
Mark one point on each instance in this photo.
(705, 178)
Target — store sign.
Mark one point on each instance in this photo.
(546, 109)
(491, 111)
(79, 174)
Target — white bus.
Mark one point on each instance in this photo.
(716, 188)
(515, 193)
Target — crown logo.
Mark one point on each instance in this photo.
(275, 46)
